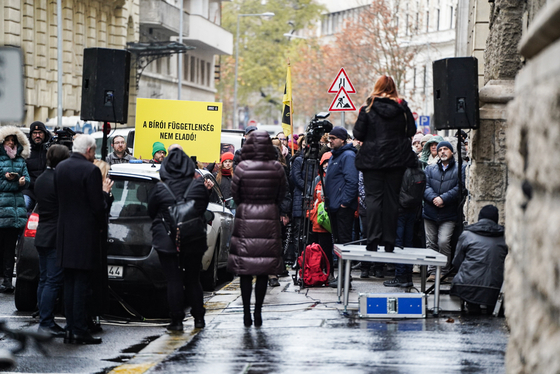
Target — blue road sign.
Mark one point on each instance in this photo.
(424, 121)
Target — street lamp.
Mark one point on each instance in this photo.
(266, 14)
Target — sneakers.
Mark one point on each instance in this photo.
(416, 269)
(431, 278)
(397, 282)
(364, 274)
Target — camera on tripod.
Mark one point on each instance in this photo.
(318, 127)
(63, 137)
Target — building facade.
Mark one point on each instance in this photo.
(32, 25)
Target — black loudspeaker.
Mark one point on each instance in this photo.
(456, 93)
(105, 83)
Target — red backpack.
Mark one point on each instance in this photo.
(317, 267)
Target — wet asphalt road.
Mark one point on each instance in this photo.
(327, 342)
(303, 332)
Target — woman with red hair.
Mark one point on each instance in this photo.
(385, 126)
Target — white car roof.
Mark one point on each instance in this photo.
(144, 169)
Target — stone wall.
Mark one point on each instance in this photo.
(533, 202)
(488, 177)
(31, 24)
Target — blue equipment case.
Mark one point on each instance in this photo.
(392, 305)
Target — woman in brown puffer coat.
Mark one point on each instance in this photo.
(258, 187)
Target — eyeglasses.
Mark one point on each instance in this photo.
(331, 138)
(37, 132)
(117, 143)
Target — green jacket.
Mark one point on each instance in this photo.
(13, 213)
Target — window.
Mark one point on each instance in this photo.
(414, 79)
(451, 18)
(427, 21)
(208, 75)
(202, 72)
(425, 80)
(437, 21)
(193, 69)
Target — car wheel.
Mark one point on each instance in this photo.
(209, 278)
(26, 295)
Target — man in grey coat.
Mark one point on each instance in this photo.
(479, 258)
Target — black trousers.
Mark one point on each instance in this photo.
(77, 290)
(382, 202)
(183, 283)
(8, 240)
(342, 224)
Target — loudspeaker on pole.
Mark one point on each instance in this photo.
(105, 83)
(456, 93)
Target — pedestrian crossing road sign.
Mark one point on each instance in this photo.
(342, 81)
(342, 102)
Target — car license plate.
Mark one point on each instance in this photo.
(115, 271)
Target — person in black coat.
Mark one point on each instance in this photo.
(37, 161)
(51, 275)
(385, 126)
(181, 266)
(83, 199)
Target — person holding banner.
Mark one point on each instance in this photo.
(385, 126)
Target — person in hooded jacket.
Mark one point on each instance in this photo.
(180, 266)
(385, 126)
(258, 189)
(429, 155)
(39, 136)
(479, 258)
(14, 178)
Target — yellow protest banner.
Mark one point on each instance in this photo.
(195, 125)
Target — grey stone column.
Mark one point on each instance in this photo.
(488, 174)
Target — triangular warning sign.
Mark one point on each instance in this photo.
(342, 102)
(342, 81)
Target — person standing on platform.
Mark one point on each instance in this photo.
(385, 126)
(83, 199)
(410, 205)
(341, 187)
(441, 203)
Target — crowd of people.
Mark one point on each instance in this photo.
(389, 186)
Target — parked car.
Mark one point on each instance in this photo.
(133, 265)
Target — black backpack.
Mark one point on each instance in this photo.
(412, 188)
(186, 224)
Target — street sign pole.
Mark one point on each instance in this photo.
(342, 119)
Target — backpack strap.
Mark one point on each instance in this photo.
(184, 195)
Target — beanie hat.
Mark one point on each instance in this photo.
(250, 129)
(445, 143)
(489, 212)
(417, 138)
(158, 146)
(426, 137)
(340, 132)
(326, 156)
(226, 156)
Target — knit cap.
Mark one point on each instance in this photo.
(226, 156)
(158, 146)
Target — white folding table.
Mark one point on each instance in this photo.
(413, 256)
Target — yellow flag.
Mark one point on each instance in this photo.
(287, 107)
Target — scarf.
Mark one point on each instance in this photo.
(11, 152)
(226, 172)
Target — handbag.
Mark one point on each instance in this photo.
(323, 217)
(186, 225)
